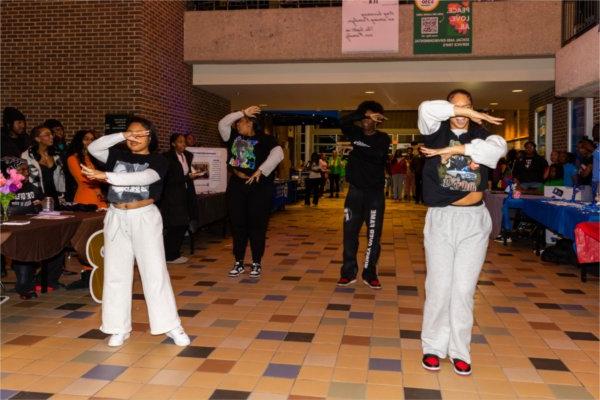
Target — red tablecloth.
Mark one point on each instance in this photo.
(587, 240)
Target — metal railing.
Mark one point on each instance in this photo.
(578, 16)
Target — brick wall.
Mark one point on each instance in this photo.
(168, 97)
(79, 60)
(559, 117)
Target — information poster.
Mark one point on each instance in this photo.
(211, 164)
(442, 27)
(369, 26)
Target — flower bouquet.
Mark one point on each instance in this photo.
(8, 187)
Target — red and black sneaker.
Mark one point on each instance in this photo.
(346, 281)
(372, 283)
(431, 362)
(461, 367)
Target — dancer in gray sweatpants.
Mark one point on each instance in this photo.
(457, 227)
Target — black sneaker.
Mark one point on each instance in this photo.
(255, 270)
(372, 283)
(238, 269)
(346, 281)
(431, 362)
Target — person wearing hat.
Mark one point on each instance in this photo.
(13, 139)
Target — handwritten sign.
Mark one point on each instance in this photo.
(369, 26)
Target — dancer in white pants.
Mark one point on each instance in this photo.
(457, 225)
(133, 231)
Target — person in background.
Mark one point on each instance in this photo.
(568, 161)
(88, 191)
(409, 181)
(313, 182)
(457, 226)
(58, 132)
(365, 202)
(27, 200)
(324, 173)
(335, 169)
(190, 140)
(398, 168)
(13, 138)
(252, 158)
(530, 171)
(133, 232)
(45, 166)
(554, 176)
(554, 162)
(585, 148)
(178, 203)
(343, 172)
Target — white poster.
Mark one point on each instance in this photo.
(211, 164)
(369, 26)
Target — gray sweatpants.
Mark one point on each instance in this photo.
(456, 240)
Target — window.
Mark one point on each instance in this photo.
(580, 120)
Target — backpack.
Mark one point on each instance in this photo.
(560, 253)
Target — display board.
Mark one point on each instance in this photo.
(211, 162)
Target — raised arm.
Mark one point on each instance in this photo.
(348, 125)
(99, 147)
(487, 152)
(226, 122)
(433, 113)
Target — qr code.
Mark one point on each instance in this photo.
(429, 26)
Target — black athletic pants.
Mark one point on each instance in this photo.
(249, 210)
(312, 187)
(334, 184)
(360, 207)
(173, 238)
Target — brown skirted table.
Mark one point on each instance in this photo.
(42, 239)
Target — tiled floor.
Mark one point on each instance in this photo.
(294, 335)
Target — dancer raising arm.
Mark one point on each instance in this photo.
(252, 157)
(457, 225)
(133, 231)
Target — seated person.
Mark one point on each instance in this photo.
(569, 168)
(28, 201)
(529, 171)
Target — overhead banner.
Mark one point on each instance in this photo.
(211, 164)
(369, 26)
(442, 27)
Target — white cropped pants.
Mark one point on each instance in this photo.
(136, 235)
(456, 241)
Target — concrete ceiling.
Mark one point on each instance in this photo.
(398, 85)
(393, 96)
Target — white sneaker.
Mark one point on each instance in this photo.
(118, 339)
(179, 337)
(179, 260)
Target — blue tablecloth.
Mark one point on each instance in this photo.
(558, 215)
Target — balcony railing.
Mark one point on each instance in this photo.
(578, 16)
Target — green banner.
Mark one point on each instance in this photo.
(442, 27)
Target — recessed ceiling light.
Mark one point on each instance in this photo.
(369, 92)
(517, 90)
(493, 104)
(263, 105)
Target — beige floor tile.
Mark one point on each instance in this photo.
(119, 390)
(154, 392)
(84, 387)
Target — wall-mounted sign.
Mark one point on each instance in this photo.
(369, 26)
(442, 27)
(115, 123)
(211, 163)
